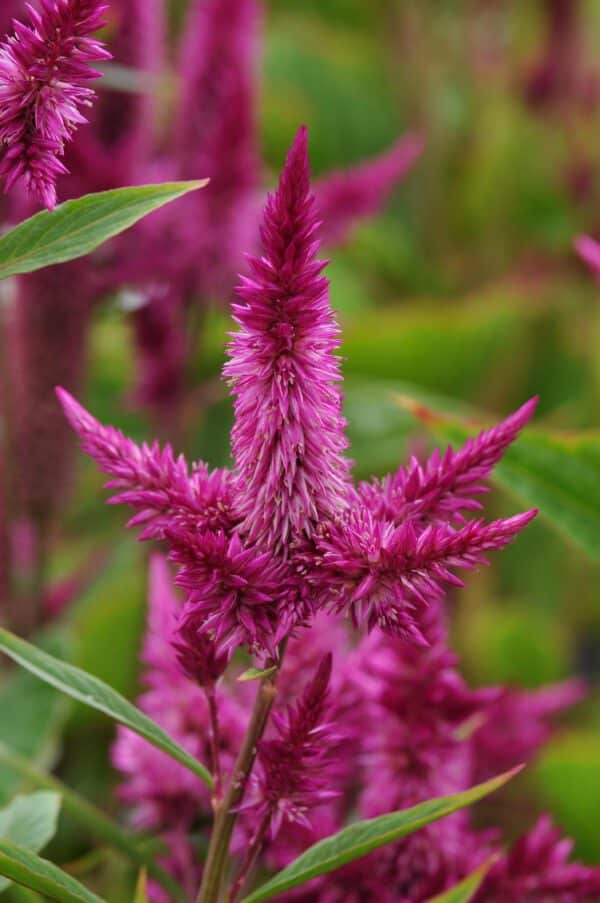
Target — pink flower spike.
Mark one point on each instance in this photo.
(348, 196)
(44, 70)
(288, 439)
(149, 478)
(443, 487)
(588, 250)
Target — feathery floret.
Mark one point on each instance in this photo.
(150, 478)
(295, 768)
(444, 486)
(44, 71)
(288, 438)
(234, 593)
(383, 574)
(589, 250)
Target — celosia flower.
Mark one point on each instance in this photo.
(518, 724)
(288, 439)
(44, 71)
(537, 869)
(443, 487)
(296, 769)
(383, 575)
(230, 592)
(347, 196)
(286, 534)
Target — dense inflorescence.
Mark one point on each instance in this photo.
(270, 551)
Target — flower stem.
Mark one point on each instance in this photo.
(215, 747)
(225, 814)
(249, 862)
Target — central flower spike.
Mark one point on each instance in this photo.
(286, 533)
(288, 439)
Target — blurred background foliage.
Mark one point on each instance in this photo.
(464, 294)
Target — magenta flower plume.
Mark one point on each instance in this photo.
(444, 486)
(151, 479)
(348, 196)
(383, 574)
(44, 71)
(538, 869)
(296, 768)
(264, 547)
(588, 250)
(288, 438)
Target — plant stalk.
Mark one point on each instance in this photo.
(226, 814)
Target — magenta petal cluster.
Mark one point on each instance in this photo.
(284, 535)
(44, 75)
(588, 250)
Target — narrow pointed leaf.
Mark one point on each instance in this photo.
(77, 227)
(559, 473)
(463, 892)
(93, 692)
(141, 890)
(363, 837)
(30, 870)
(29, 821)
(89, 816)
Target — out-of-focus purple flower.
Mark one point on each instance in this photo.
(264, 547)
(444, 487)
(537, 869)
(296, 769)
(44, 75)
(288, 439)
(417, 703)
(518, 724)
(48, 331)
(588, 250)
(348, 196)
(383, 575)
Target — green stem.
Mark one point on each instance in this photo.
(252, 855)
(226, 814)
(93, 818)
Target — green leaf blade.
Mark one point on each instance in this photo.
(361, 838)
(28, 869)
(78, 227)
(95, 693)
(464, 891)
(29, 821)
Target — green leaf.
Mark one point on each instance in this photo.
(256, 674)
(463, 892)
(77, 227)
(93, 692)
(24, 867)
(559, 473)
(89, 816)
(29, 821)
(363, 837)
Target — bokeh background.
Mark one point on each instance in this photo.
(465, 294)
